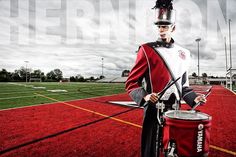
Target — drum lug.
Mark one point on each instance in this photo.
(160, 110)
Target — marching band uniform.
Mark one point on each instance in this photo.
(153, 64)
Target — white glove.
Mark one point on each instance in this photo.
(153, 97)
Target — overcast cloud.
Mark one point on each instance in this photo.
(74, 35)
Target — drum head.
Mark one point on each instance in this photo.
(186, 115)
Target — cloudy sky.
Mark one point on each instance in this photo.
(74, 35)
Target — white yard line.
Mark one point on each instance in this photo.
(8, 98)
(13, 108)
(34, 96)
(17, 97)
(18, 92)
(29, 85)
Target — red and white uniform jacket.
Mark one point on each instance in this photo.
(157, 64)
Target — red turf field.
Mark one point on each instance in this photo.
(82, 128)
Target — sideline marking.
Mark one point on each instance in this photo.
(91, 111)
(223, 150)
(126, 122)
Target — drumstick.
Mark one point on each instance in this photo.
(167, 87)
(163, 91)
(199, 103)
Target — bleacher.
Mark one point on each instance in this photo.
(113, 80)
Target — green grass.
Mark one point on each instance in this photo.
(22, 94)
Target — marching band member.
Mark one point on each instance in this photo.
(157, 64)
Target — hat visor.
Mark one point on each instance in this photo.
(163, 23)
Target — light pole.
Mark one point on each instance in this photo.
(102, 66)
(198, 65)
(230, 57)
(230, 44)
(226, 63)
(26, 62)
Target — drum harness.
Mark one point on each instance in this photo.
(160, 110)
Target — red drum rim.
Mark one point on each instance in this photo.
(187, 115)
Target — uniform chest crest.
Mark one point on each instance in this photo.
(182, 54)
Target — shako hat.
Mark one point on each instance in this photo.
(164, 12)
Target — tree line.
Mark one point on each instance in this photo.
(29, 75)
(26, 75)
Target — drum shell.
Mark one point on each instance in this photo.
(191, 140)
